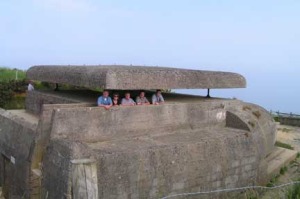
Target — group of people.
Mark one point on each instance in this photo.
(107, 102)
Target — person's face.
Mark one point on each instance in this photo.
(127, 95)
(158, 93)
(105, 94)
(142, 94)
(116, 97)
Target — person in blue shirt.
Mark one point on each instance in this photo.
(104, 100)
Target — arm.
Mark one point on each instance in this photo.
(132, 102)
(162, 100)
(110, 103)
(154, 101)
(100, 103)
(146, 101)
(138, 101)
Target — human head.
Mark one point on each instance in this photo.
(142, 93)
(127, 95)
(105, 93)
(158, 92)
(116, 96)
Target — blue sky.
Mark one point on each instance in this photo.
(259, 39)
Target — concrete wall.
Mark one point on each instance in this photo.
(57, 175)
(93, 124)
(17, 141)
(36, 99)
(158, 170)
(260, 123)
(153, 151)
(141, 151)
(44, 129)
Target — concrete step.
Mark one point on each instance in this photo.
(279, 158)
(275, 153)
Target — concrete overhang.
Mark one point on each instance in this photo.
(135, 77)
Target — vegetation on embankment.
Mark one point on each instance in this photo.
(12, 88)
(8, 74)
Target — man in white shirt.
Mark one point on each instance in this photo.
(30, 86)
(127, 101)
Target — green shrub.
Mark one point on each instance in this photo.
(17, 102)
(283, 170)
(8, 89)
(276, 119)
(293, 192)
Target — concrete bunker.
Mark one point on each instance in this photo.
(190, 143)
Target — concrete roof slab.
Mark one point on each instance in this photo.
(135, 77)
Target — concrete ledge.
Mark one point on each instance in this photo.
(279, 158)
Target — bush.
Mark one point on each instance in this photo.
(10, 88)
(293, 192)
(276, 119)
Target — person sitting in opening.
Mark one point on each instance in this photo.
(141, 99)
(30, 86)
(127, 101)
(115, 100)
(104, 100)
(157, 98)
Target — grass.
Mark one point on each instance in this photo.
(17, 102)
(284, 145)
(273, 181)
(7, 74)
(285, 130)
(293, 192)
(283, 170)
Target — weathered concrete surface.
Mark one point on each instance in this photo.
(145, 151)
(36, 99)
(153, 151)
(279, 158)
(17, 141)
(188, 144)
(135, 77)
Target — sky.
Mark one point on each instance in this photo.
(258, 39)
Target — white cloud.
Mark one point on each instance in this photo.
(66, 5)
